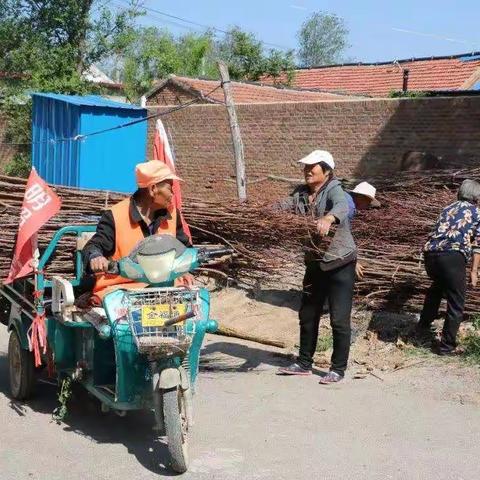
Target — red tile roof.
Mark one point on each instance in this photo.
(441, 73)
(244, 92)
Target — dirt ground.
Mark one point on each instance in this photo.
(421, 423)
(381, 341)
(401, 413)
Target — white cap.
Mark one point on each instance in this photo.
(318, 156)
(368, 190)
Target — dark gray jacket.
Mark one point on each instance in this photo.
(330, 200)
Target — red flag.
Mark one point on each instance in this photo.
(162, 152)
(40, 203)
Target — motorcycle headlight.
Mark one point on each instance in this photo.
(157, 267)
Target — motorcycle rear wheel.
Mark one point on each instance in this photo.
(21, 369)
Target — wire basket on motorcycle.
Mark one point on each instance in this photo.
(158, 319)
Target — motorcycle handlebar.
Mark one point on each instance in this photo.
(113, 267)
(218, 252)
(205, 255)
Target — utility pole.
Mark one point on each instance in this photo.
(236, 136)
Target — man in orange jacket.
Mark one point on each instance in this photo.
(148, 211)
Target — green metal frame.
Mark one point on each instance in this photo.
(77, 230)
(132, 384)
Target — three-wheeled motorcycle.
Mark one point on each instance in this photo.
(138, 350)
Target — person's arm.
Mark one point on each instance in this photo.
(476, 252)
(474, 271)
(100, 246)
(337, 214)
(339, 208)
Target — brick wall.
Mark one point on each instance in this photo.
(171, 95)
(366, 138)
(7, 152)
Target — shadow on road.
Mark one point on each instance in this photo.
(225, 356)
(85, 418)
(278, 298)
(390, 327)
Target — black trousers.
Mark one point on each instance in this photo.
(448, 272)
(337, 286)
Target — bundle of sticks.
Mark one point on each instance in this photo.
(391, 238)
(269, 242)
(250, 229)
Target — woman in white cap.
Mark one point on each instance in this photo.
(329, 275)
(361, 198)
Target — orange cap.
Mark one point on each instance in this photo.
(153, 172)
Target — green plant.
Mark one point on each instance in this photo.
(471, 342)
(19, 166)
(324, 343)
(61, 412)
(408, 94)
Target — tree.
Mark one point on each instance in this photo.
(54, 41)
(322, 40)
(155, 53)
(48, 45)
(247, 60)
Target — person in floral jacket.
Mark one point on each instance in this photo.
(454, 240)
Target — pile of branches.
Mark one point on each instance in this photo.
(269, 243)
(391, 238)
(79, 207)
(249, 229)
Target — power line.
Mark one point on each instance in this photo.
(164, 21)
(204, 26)
(80, 137)
(434, 35)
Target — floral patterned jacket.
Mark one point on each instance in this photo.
(457, 229)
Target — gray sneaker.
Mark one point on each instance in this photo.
(331, 377)
(294, 369)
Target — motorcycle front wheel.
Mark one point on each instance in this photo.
(176, 427)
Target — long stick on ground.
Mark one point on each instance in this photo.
(230, 332)
(236, 136)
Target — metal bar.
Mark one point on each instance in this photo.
(58, 235)
(12, 300)
(20, 296)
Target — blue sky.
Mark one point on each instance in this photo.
(441, 27)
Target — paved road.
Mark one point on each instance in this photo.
(250, 424)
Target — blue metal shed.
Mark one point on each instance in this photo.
(104, 161)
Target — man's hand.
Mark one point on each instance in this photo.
(324, 224)
(186, 280)
(474, 278)
(99, 264)
(359, 270)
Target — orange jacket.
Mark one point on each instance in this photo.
(127, 234)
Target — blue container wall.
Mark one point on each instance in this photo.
(55, 159)
(107, 161)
